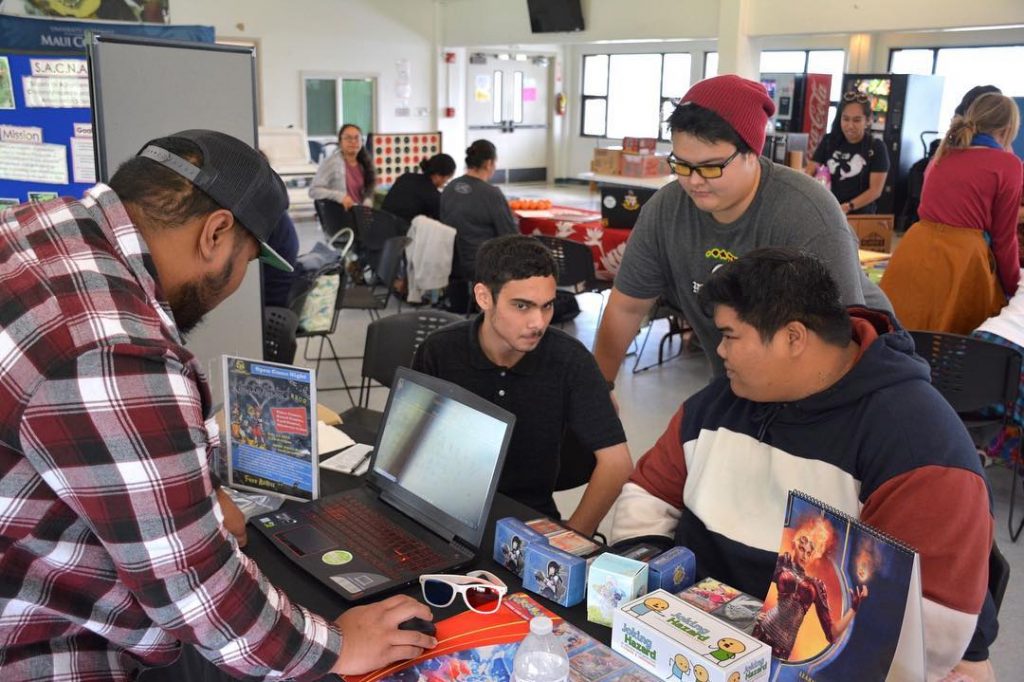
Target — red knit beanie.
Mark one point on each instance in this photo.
(744, 104)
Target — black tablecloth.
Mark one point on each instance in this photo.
(303, 589)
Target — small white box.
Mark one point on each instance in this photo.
(673, 639)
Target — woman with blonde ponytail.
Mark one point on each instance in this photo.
(956, 266)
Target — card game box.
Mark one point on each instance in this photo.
(554, 574)
(672, 570)
(673, 639)
(511, 537)
(612, 581)
(726, 603)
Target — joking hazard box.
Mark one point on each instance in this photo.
(675, 640)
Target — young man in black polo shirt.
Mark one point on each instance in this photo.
(548, 379)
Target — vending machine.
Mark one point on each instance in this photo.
(801, 112)
(903, 107)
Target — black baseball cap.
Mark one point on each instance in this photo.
(237, 177)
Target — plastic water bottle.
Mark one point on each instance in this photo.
(540, 657)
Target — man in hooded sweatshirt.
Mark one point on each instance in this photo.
(831, 401)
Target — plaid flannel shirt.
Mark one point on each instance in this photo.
(112, 544)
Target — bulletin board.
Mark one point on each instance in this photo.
(398, 153)
(45, 127)
(46, 145)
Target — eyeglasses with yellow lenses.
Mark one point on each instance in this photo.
(708, 171)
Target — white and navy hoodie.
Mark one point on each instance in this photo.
(881, 444)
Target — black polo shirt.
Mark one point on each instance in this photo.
(557, 385)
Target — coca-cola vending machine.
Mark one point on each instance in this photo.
(903, 107)
(801, 108)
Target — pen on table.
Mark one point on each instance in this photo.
(365, 458)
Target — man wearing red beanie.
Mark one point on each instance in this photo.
(728, 201)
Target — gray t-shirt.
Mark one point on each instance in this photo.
(478, 211)
(675, 246)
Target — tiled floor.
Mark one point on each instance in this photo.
(648, 399)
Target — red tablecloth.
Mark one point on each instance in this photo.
(607, 243)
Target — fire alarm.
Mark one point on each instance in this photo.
(449, 112)
(449, 57)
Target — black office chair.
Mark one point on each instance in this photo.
(375, 296)
(373, 228)
(390, 344)
(575, 267)
(333, 218)
(279, 328)
(972, 374)
(663, 309)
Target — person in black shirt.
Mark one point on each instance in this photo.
(857, 161)
(546, 378)
(416, 194)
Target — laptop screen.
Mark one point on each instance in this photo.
(440, 449)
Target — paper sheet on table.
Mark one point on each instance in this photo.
(534, 213)
(351, 458)
(331, 439)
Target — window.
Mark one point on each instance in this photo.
(832, 62)
(710, 64)
(632, 94)
(963, 68)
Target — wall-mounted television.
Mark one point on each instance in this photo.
(555, 16)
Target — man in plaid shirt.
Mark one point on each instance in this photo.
(113, 547)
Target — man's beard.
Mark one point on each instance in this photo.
(195, 299)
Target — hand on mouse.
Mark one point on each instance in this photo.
(371, 638)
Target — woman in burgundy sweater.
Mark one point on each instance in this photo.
(957, 265)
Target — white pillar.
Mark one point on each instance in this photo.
(736, 53)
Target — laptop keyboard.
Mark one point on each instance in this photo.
(379, 541)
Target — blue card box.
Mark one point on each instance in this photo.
(672, 570)
(555, 575)
(511, 538)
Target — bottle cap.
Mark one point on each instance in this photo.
(540, 625)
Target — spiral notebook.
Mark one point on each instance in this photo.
(844, 602)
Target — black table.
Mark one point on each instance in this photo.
(304, 589)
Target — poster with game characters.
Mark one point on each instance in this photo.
(844, 601)
(271, 438)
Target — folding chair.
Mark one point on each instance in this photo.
(390, 344)
(972, 374)
(375, 296)
(677, 326)
(279, 328)
(374, 227)
(317, 313)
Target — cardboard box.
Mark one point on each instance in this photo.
(612, 581)
(672, 570)
(873, 231)
(511, 538)
(606, 160)
(673, 639)
(639, 145)
(554, 574)
(643, 166)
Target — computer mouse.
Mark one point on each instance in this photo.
(419, 625)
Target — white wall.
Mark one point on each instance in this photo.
(486, 22)
(350, 36)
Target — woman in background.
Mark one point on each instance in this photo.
(475, 208)
(957, 265)
(416, 194)
(856, 161)
(347, 175)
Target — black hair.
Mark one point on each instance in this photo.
(480, 152)
(705, 125)
(553, 564)
(364, 160)
(511, 257)
(438, 164)
(973, 94)
(771, 287)
(165, 198)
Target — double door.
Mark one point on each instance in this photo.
(508, 104)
